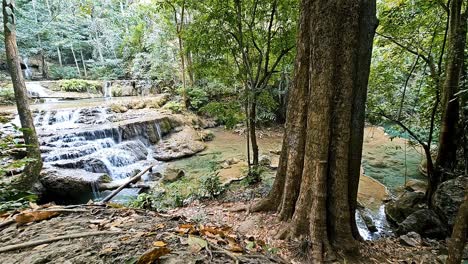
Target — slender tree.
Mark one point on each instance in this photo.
(316, 184)
(457, 242)
(32, 170)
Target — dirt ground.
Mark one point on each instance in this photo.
(203, 232)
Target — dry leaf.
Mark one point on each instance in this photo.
(159, 244)
(152, 255)
(196, 244)
(29, 217)
(160, 226)
(234, 246)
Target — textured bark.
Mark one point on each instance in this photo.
(253, 129)
(457, 242)
(324, 131)
(32, 170)
(449, 140)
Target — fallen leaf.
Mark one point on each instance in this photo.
(234, 246)
(36, 216)
(160, 226)
(196, 244)
(152, 255)
(159, 244)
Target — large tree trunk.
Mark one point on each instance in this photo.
(449, 139)
(457, 242)
(32, 170)
(324, 131)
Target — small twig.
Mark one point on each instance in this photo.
(50, 240)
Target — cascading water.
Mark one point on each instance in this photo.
(107, 90)
(27, 71)
(158, 130)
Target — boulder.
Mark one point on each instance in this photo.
(409, 202)
(411, 239)
(172, 174)
(69, 185)
(448, 198)
(368, 220)
(416, 186)
(206, 135)
(179, 145)
(424, 222)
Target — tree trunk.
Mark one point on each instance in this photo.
(32, 170)
(456, 244)
(324, 131)
(449, 140)
(76, 61)
(84, 64)
(182, 65)
(59, 54)
(252, 129)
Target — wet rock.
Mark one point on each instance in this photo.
(275, 151)
(409, 202)
(265, 160)
(449, 197)
(17, 153)
(424, 222)
(411, 239)
(172, 174)
(68, 185)
(149, 128)
(179, 145)
(368, 220)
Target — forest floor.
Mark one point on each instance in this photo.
(202, 232)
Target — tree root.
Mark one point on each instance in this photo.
(267, 204)
(54, 239)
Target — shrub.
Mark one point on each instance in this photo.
(80, 86)
(211, 185)
(64, 72)
(266, 107)
(197, 97)
(7, 96)
(229, 114)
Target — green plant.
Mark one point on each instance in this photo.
(197, 97)
(7, 96)
(175, 107)
(266, 107)
(211, 185)
(229, 114)
(12, 199)
(255, 175)
(108, 70)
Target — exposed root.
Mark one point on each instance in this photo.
(267, 204)
(50, 240)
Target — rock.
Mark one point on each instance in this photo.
(411, 239)
(416, 186)
(265, 160)
(448, 198)
(179, 145)
(232, 161)
(68, 186)
(172, 174)
(409, 202)
(117, 108)
(424, 222)
(275, 151)
(249, 225)
(370, 224)
(206, 135)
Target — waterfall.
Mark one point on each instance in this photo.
(158, 129)
(95, 190)
(27, 71)
(108, 89)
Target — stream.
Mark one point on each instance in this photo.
(83, 140)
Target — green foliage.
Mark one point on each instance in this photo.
(108, 70)
(11, 199)
(65, 72)
(175, 107)
(7, 96)
(197, 97)
(80, 86)
(227, 113)
(211, 185)
(255, 175)
(266, 107)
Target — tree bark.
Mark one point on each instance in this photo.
(324, 131)
(59, 54)
(76, 61)
(456, 244)
(32, 170)
(253, 128)
(84, 64)
(448, 140)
